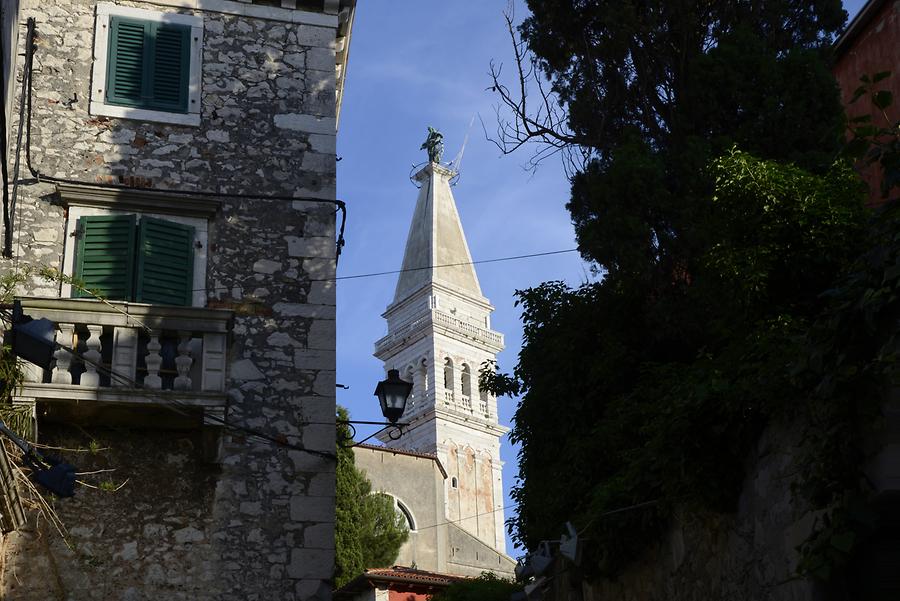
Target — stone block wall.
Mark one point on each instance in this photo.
(746, 556)
(259, 524)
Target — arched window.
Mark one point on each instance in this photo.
(454, 483)
(410, 376)
(448, 374)
(406, 513)
(423, 373)
(466, 381)
(448, 381)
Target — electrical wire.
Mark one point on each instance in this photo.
(396, 271)
(4, 167)
(471, 517)
(482, 261)
(580, 532)
(26, 91)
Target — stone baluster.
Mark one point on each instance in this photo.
(124, 357)
(183, 362)
(92, 356)
(213, 365)
(64, 337)
(153, 360)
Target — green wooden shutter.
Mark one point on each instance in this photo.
(126, 70)
(148, 64)
(171, 63)
(165, 262)
(104, 258)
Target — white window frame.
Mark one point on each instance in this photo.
(201, 236)
(105, 10)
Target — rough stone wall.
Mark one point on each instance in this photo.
(262, 525)
(747, 556)
(153, 533)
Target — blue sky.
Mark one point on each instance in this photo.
(415, 64)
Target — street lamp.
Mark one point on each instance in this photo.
(392, 394)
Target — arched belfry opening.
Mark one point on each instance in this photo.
(448, 381)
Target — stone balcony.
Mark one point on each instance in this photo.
(132, 355)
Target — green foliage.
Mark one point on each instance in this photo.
(673, 383)
(487, 587)
(710, 320)
(107, 486)
(875, 141)
(368, 530)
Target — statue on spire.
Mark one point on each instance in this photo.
(433, 145)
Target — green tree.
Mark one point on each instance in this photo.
(487, 587)
(368, 531)
(660, 378)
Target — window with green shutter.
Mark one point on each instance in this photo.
(151, 261)
(148, 64)
(105, 256)
(165, 261)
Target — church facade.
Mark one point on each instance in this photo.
(439, 334)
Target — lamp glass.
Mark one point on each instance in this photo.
(392, 394)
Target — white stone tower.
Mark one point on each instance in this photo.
(438, 336)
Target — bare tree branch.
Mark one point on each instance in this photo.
(519, 123)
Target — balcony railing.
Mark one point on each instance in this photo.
(131, 352)
(483, 407)
(451, 324)
(469, 330)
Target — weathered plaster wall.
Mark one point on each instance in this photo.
(439, 544)
(418, 483)
(471, 503)
(265, 519)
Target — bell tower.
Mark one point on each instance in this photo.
(439, 335)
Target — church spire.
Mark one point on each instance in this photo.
(436, 238)
(439, 335)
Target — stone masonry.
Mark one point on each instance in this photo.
(258, 522)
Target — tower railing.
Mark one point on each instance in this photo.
(470, 331)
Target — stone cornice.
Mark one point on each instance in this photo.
(121, 396)
(127, 314)
(479, 301)
(470, 421)
(132, 199)
(258, 11)
(438, 322)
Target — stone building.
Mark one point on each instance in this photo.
(183, 157)
(445, 471)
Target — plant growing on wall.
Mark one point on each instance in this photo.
(487, 587)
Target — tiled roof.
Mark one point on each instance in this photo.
(412, 575)
(405, 452)
(396, 575)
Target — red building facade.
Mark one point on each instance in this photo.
(871, 44)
